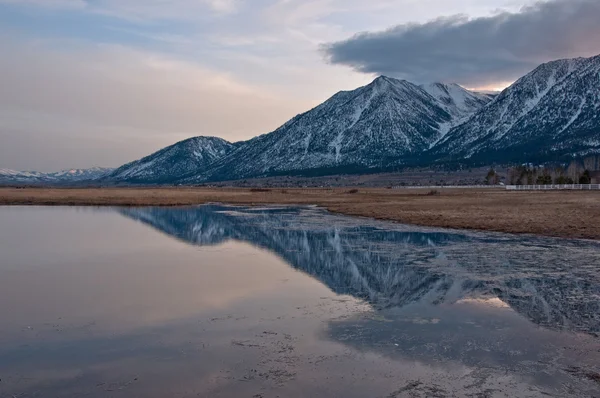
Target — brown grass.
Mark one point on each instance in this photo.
(259, 190)
(564, 214)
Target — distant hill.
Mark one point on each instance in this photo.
(65, 177)
(182, 159)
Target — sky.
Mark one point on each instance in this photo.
(103, 82)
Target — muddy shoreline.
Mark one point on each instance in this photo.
(567, 214)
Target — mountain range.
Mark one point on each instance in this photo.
(549, 115)
(64, 177)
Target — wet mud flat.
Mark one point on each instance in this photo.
(222, 301)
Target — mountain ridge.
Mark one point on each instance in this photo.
(373, 126)
(8, 176)
(550, 114)
(183, 157)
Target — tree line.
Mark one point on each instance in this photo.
(574, 173)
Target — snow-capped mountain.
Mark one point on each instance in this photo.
(552, 113)
(374, 126)
(179, 160)
(70, 176)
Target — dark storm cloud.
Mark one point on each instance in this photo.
(476, 52)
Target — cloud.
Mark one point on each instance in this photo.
(476, 52)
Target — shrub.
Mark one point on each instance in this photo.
(353, 191)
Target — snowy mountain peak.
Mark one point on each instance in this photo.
(381, 80)
(385, 83)
(189, 156)
(370, 127)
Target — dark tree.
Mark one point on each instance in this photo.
(585, 178)
(492, 177)
(544, 179)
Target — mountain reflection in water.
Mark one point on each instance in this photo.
(553, 283)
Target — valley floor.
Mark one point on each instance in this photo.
(570, 214)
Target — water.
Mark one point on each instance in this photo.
(218, 301)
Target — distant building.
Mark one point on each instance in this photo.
(595, 177)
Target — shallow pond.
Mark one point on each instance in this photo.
(221, 301)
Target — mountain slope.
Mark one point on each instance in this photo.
(551, 114)
(377, 125)
(183, 158)
(70, 176)
(457, 100)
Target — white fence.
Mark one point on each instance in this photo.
(446, 186)
(575, 187)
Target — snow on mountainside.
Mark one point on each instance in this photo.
(82, 174)
(8, 176)
(8, 173)
(377, 125)
(457, 100)
(178, 160)
(552, 113)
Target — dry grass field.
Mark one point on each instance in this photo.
(563, 214)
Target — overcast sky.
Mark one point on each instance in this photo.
(102, 82)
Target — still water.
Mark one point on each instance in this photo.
(217, 301)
